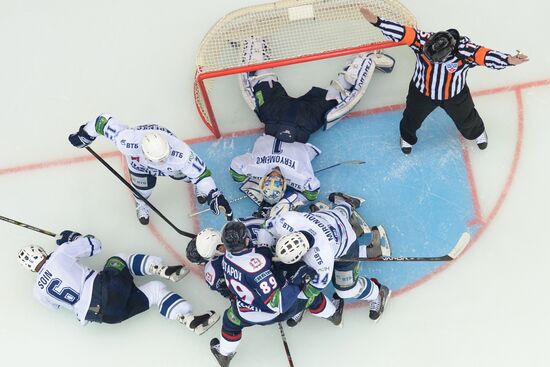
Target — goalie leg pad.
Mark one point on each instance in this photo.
(358, 74)
(255, 51)
(247, 82)
(383, 62)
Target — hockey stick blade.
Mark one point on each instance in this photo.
(463, 241)
(453, 254)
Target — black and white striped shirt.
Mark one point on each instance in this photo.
(442, 80)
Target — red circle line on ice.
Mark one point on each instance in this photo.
(483, 222)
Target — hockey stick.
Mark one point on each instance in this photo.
(285, 344)
(184, 233)
(32, 228)
(353, 161)
(453, 254)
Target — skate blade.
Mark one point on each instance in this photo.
(183, 273)
(384, 305)
(201, 329)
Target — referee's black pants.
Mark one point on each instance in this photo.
(460, 109)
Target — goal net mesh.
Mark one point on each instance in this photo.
(296, 31)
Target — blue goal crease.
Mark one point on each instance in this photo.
(423, 200)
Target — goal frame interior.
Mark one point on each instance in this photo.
(201, 76)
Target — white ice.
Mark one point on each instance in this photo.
(63, 62)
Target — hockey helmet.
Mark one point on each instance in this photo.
(192, 254)
(32, 256)
(208, 241)
(292, 247)
(235, 236)
(440, 45)
(273, 186)
(155, 147)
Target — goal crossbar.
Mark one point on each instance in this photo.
(297, 31)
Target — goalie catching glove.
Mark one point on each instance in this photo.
(216, 201)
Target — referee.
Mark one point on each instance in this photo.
(442, 63)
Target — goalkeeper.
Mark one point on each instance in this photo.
(279, 166)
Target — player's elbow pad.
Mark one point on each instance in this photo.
(237, 177)
(311, 195)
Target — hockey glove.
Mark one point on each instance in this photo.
(303, 276)
(81, 139)
(222, 288)
(217, 201)
(66, 236)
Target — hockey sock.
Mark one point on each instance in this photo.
(322, 307)
(364, 289)
(229, 341)
(343, 208)
(170, 304)
(141, 264)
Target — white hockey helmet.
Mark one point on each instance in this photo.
(155, 147)
(290, 248)
(31, 256)
(208, 241)
(273, 186)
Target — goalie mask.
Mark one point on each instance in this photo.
(440, 45)
(292, 247)
(208, 241)
(155, 147)
(273, 186)
(32, 256)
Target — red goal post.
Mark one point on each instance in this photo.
(297, 31)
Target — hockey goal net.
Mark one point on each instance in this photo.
(297, 31)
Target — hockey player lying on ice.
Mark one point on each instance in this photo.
(280, 161)
(109, 296)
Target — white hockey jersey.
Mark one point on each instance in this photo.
(332, 234)
(64, 282)
(293, 159)
(182, 162)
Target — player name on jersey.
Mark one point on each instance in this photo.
(278, 159)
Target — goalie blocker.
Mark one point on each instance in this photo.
(292, 119)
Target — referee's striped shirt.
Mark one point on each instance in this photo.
(442, 80)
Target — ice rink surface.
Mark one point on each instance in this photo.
(63, 62)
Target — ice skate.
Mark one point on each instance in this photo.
(380, 245)
(174, 273)
(359, 224)
(199, 324)
(337, 317)
(295, 320)
(406, 148)
(377, 306)
(482, 141)
(354, 201)
(223, 361)
(142, 211)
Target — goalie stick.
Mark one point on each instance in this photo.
(453, 254)
(352, 161)
(28, 226)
